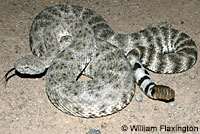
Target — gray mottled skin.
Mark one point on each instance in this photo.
(110, 89)
(72, 41)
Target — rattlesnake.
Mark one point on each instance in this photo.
(71, 41)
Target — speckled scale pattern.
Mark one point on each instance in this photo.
(110, 89)
(72, 41)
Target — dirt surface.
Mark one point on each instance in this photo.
(25, 108)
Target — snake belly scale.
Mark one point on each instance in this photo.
(69, 41)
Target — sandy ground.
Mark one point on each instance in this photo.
(25, 108)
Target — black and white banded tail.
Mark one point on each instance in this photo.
(162, 50)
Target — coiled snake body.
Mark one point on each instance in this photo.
(72, 41)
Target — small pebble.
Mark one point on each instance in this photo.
(3, 41)
(94, 131)
(21, 106)
(81, 121)
(21, 92)
(132, 114)
(103, 125)
(97, 3)
(192, 77)
(139, 98)
(172, 104)
(182, 22)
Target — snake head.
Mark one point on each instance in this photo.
(30, 65)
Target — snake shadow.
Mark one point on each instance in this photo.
(31, 76)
